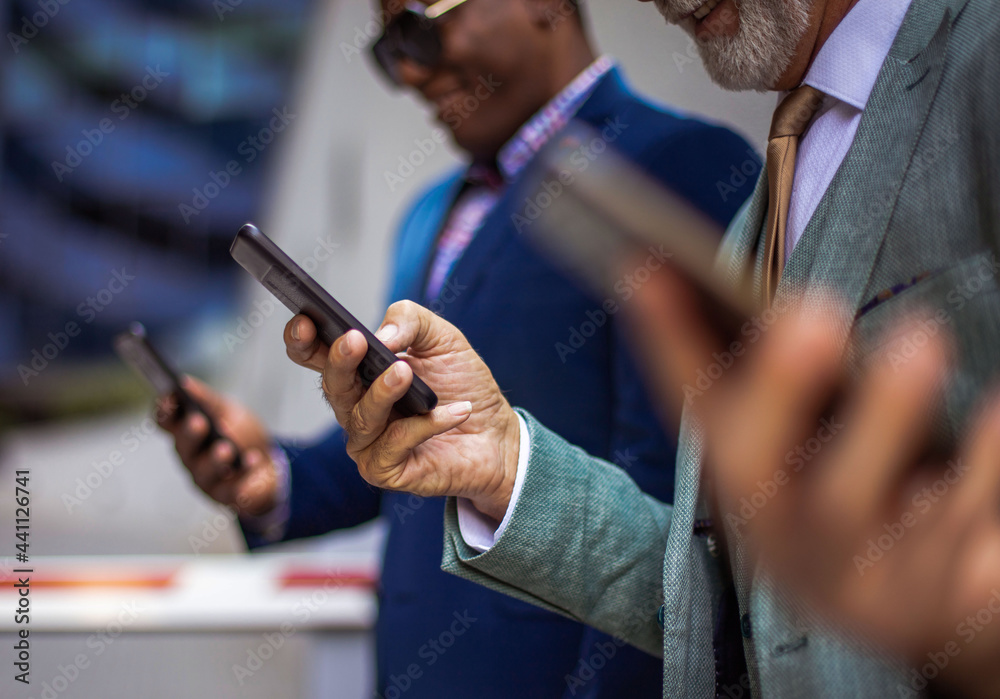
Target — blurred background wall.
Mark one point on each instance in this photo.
(137, 135)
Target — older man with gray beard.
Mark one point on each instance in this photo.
(882, 189)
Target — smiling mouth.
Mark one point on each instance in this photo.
(447, 100)
(706, 9)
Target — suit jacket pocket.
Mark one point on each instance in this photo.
(961, 302)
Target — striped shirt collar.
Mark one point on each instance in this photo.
(535, 133)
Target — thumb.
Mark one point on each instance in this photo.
(303, 344)
(210, 400)
(410, 326)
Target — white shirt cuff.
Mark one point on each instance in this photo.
(481, 531)
(271, 525)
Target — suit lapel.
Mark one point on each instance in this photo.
(839, 247)
(484, 247)
(417, 240)
(747, 232)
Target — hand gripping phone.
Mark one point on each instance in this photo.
(300, 293)
(138, 352)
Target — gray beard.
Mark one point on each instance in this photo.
(761, 51)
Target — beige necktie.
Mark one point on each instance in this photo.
(790, 121)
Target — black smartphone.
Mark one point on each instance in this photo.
(138, 352)
(300, 293)
(594, 213)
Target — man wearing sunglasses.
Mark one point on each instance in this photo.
(502, 76)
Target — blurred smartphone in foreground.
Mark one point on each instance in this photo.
(138, 352)
(595, 214)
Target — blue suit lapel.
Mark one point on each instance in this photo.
(498, 227)
(417, 240)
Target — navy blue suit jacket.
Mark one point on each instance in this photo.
(519, 313)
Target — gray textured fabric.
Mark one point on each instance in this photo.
(572, 502)
(918, 194)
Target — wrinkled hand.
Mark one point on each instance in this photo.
(846, 510)
(899, 546)
(465, 447)
(251, 490)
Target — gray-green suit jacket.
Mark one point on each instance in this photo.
(911, 220)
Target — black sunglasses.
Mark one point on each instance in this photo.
(412, 34)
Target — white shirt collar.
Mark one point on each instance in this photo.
(848, 65)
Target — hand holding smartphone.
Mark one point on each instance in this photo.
(301, 294)
(135, 349)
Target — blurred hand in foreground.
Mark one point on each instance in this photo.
(466, 447)
(849, 510)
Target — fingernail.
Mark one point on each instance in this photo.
(387, 332)
(394, 376)
(219, 449)
(459, 409)
(195, 424)
(295, 332)
(345, 345)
